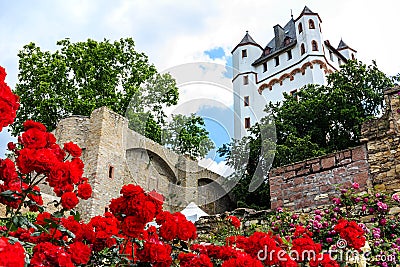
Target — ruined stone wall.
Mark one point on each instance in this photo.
(115, 155)
(382, 139)
(313, 182)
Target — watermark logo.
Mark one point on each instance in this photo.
(339, 252)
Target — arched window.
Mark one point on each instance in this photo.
(314, 45)
(300, 27)
(302, 49)
(311, 24)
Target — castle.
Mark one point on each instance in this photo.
(296, 56)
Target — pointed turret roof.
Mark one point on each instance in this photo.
(247, 40)
(342, 45)
(307, 11)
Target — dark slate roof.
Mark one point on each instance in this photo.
(306, 10)
(247, 39)
(342, 45)
(290, 31)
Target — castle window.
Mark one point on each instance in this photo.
(339, 61)
(289, 55)
(331, 55)
(352, 56)
(246, 101)
(300, 27)
(245, 79)
(294, 94)
(265, 66)
(244, 53)
(302, 49)
(111, 172)
(247, 123)
(311, 24)
(277, 61)
(314, 45)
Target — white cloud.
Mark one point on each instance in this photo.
(221, 168)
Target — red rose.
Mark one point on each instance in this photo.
(9, 102)
(234, 221)
(84, 191)
(132, 227)
(34, 138)
(80, 253)
(11, 255)
(190, 259)
(242, 260)
(73, 149)
(69, 200)
(351, 232)
(30, 124)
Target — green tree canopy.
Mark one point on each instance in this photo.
(80, 77)
(187, 135)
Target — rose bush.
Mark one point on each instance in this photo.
(123, 236)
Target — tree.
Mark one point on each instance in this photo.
(319, 120)
(251, 158)
(83, 76)
(323, 119)
(187, 135)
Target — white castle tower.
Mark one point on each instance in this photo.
(296, 56)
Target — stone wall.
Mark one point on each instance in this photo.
(313, 182)
(382, 139)
(374, 165)
(115, 155)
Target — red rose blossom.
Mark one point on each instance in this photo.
(69, 200)
(84, 191)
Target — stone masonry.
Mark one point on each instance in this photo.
(115, 155)
(375, 165)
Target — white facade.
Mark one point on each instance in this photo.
(295, 57)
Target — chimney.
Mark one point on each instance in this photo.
(279, 36)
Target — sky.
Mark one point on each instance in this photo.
(175, 34)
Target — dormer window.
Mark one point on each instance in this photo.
(311, 24)
(277, 61)
(245, 80)
(314, 45)
(244, 53)
(302, 49)
(287, 40)
(289, 55)
(267, 51)
(300, 27)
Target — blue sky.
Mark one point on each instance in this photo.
(177, 32)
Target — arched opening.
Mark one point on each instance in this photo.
(149, 170)
(300, 27)
(302, 49)
(212, 198)
(311, 24)
(314, 45)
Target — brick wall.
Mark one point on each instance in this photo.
(313, 182)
